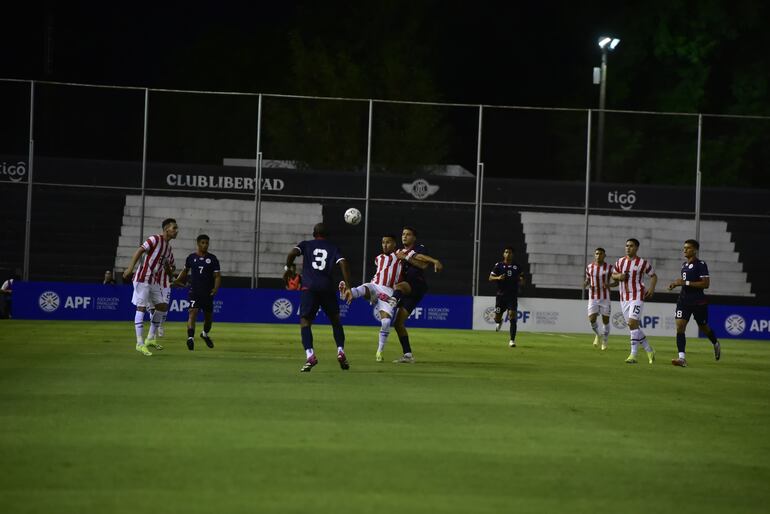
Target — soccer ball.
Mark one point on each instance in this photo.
(352, 216)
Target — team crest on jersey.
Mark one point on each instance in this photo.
(690, 266)
(208, 261)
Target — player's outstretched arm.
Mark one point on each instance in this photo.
(343, 264)
(181, 279)
(653, 283)
(134, 259)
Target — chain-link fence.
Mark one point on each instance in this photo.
(87, 172)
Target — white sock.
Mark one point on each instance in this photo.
(157, 317)
(358, 292)
(681, 355)
(638, 336)
(384, 332)
(595, 328)
(139, 326)
(309, 353)
(340, 349)
(634, 345)
(605, 330)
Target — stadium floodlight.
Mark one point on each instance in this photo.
(607, 44)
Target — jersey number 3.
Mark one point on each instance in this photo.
(319, 258)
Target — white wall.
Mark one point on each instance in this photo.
(547, 315)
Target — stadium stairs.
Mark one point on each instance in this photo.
(555, 244)
(229, 224)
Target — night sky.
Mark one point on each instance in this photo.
(674, 56)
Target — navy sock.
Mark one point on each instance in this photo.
(207, 326)
(190, 332)
(712, 337)
(339, 335)
(513, 329)
(397, 294)
(307, 337)
(404, 340)
(681, 341)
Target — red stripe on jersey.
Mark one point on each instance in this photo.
(598, 280)
(633, 288)
(388, 270)
(149, 247)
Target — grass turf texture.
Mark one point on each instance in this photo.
(90, 425)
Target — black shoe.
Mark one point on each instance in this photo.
(190, 343)
(208, 340)
(717, 350)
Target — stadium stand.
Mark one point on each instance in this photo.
(228, 222)
(556, 255)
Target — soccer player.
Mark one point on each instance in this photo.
(147, 292)
(320, 256)
(628, 272)
(380, 289)
(598, 281)
(205, 277)
(409, 293)
(692, 301)
(508, 276)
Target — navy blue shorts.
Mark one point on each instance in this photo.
(699, 312)
(310, 301)
(506, 302)
(409, 303)
(201, 300)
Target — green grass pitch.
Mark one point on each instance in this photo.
(87, 424)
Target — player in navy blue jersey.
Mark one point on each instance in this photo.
(692, 301)
(205, 278)
(318, 290)
(508, 276)
(409, 293)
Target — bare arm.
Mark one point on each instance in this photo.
(217, 283)
(343, 264)
(134, 259)
(495, 278)
(653, 283)
(181, 279)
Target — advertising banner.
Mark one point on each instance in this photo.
(740, 322)
(71, 301)
(549, 315)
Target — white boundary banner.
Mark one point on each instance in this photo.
(547, 315)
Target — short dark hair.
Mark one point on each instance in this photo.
(319, 230)
(635, 241)
(599, 248)
(693, 242)
(167, 222)
(201, 238)
(390, 235)
(411, 229)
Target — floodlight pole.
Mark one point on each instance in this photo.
(600, 129)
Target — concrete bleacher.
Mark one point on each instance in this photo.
(229, 224)
(555, 246)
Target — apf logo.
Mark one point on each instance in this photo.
(416, 314)
(489, 316)
(619, 322)
(14, 172)
(735, 325)
(48, 301)
(626, 200)
(282, 308)
(420, 189)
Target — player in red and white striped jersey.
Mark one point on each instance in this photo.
(629, 271)
(147, 290)
(598, 281)
(380, 289)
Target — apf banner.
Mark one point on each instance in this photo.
(739, 322)
(548, 315)
(69, 301)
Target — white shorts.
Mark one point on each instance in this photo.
(632, 309)
(165, 292)
(600, 306)
(147, 295)
(378, 296)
